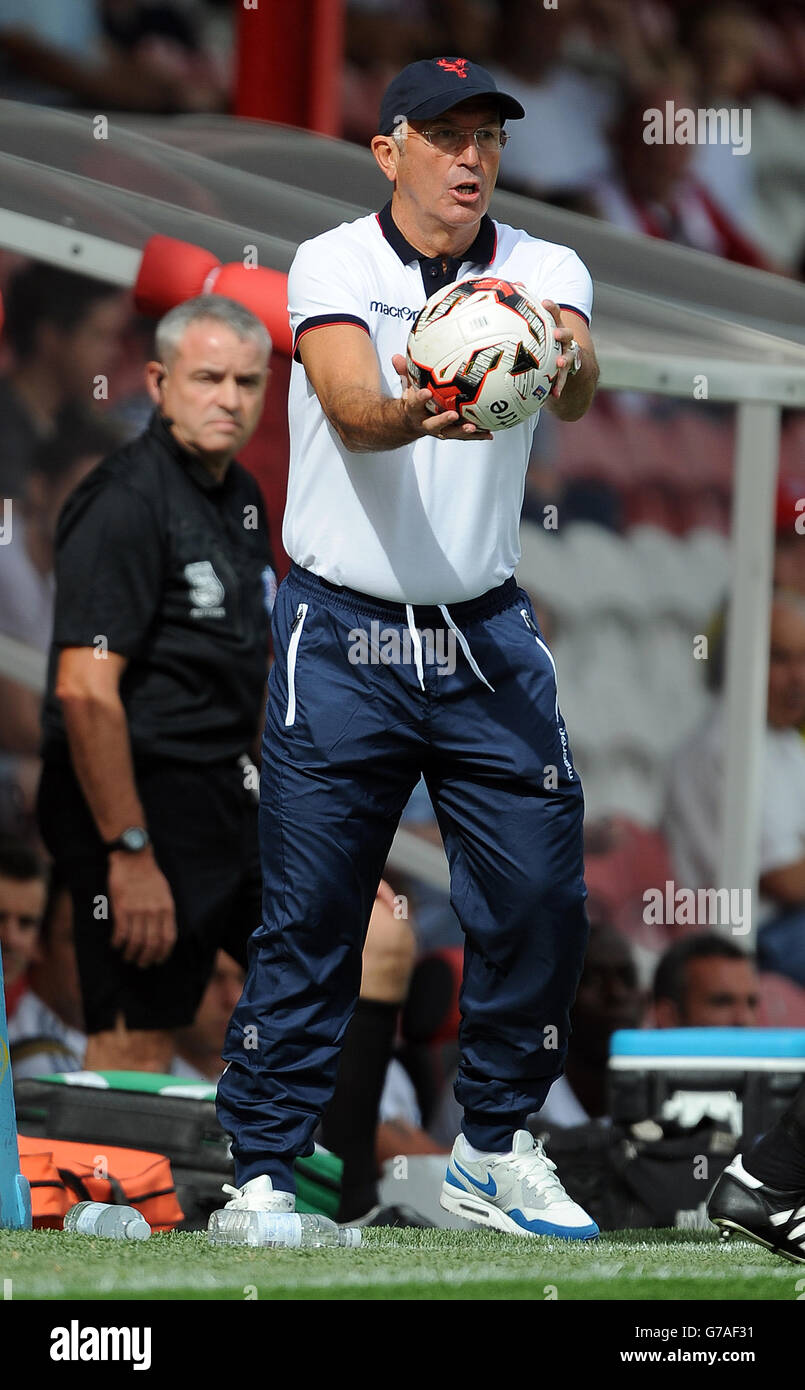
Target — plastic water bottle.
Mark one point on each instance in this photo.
(292, 1230)
(101, 1219)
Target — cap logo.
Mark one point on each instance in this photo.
(458, 66)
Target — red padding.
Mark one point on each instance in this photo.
(263, 291)
(170, 272)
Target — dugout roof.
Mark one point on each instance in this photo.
(79, 193)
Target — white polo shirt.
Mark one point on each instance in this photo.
(436, 521)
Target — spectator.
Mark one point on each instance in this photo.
(27, 582)
(113, 54)
(42, 46)
(381, 37)
(656, 193)
(164, 568)
(560, 147)
(27, 588)
(705, 981)
(199, 1047)
(46, 1033)
(696, 790)
(723, 41)
(64, 331)
(466, 26)
(23, 891)
(733, 46)
(164, 44)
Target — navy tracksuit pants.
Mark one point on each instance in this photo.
(364, 696)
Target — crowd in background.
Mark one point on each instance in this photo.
(586, 72)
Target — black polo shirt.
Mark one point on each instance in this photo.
(173, 571)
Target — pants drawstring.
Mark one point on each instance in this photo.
(417, 641)
(465, 646)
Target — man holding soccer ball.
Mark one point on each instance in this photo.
(408, 516)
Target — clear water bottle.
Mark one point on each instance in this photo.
(292, 1230)
(100, 1219)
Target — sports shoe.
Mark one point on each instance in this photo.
(515, 1192)
(231, 1225)
(739, 1202)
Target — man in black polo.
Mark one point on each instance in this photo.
(156, 689)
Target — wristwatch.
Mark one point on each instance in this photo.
(573, 347)
(131, 840)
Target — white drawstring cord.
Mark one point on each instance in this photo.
(417, 641)
(465, 646)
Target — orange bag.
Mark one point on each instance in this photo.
(63, 1173)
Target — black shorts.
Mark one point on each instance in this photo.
(203, 824)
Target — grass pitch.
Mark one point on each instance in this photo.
(398, 1264)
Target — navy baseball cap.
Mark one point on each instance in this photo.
(433, 85)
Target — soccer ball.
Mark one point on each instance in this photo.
(485, 349)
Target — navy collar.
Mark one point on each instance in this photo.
(481, 252)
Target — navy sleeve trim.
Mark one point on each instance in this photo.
(320, 321)
(574, 310)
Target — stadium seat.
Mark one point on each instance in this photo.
(592, 447)
(707, 444)
(662, 563)
(707, 558)
(650, 449)
(549, 573)
(619, 785)
(705, 507)
(606, 566)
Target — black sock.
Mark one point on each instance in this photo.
(349, 1125)
(778, 1159)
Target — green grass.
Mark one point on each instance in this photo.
(641, 1265)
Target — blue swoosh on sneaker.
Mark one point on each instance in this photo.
(489, 1187)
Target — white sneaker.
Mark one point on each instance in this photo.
(515, 1192)
(258, 1194)
(239, 1222)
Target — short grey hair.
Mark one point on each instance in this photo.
(243, 323)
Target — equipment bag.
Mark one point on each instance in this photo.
(175, 1117)
(655, 1173)
(62, 1173)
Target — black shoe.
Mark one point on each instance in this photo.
(393, 1216)
(739, 1202)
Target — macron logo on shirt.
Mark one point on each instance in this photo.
(394, 311)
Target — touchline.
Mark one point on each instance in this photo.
(75, 1343)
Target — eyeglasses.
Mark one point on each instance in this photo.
(449, 140)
